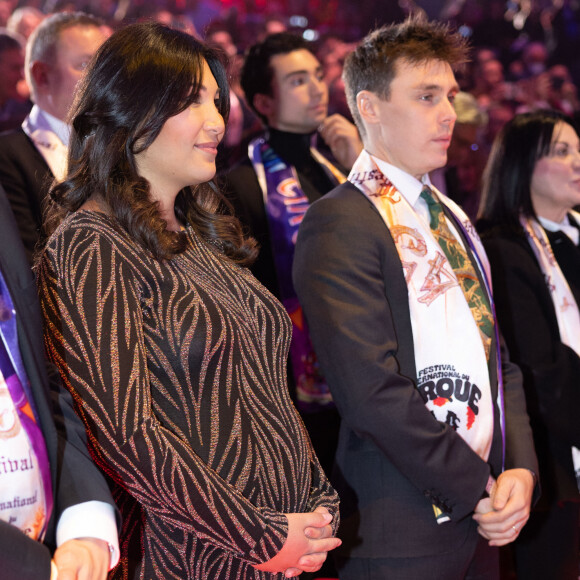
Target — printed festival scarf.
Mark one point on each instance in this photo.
(26, 492)
(286, 204)
(567, 313)
(452, 369)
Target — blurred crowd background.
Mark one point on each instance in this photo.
(525, 56)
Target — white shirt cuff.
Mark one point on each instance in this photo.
(91, 519)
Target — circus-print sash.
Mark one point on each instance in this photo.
(567, 313)
(286, 204)
(25, 479)
(452, 369)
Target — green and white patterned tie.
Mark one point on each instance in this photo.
(462, 267)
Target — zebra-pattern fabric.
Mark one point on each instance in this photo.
(178, 370)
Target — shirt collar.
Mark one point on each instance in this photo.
(40, 119)
(564, 226)
(407, 185)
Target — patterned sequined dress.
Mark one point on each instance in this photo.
(178, 369)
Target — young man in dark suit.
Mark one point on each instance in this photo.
(435, 464)
(78, 538)
(273, 186)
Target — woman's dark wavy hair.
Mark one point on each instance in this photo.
(508, 175)
(140, 77)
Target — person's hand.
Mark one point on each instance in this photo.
(484, 506)
(313, 533)
(506, 511)
(343, 139)
(307, 544)
(82, 559)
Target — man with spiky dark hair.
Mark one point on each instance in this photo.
(435, 465)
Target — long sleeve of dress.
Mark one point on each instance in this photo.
(94, 307)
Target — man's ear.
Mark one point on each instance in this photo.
(264, 104)
(39, 71)
(366, 103)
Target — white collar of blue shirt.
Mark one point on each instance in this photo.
(40, 119)
(564, 226)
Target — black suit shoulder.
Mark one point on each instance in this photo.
(17, 148)
(513, 266)
(26, 178)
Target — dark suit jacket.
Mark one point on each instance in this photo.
(551, 369)
(74, 476)
(394, 460)
(26, 178)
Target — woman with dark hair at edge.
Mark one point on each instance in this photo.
(531, 236)
(174, 353)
